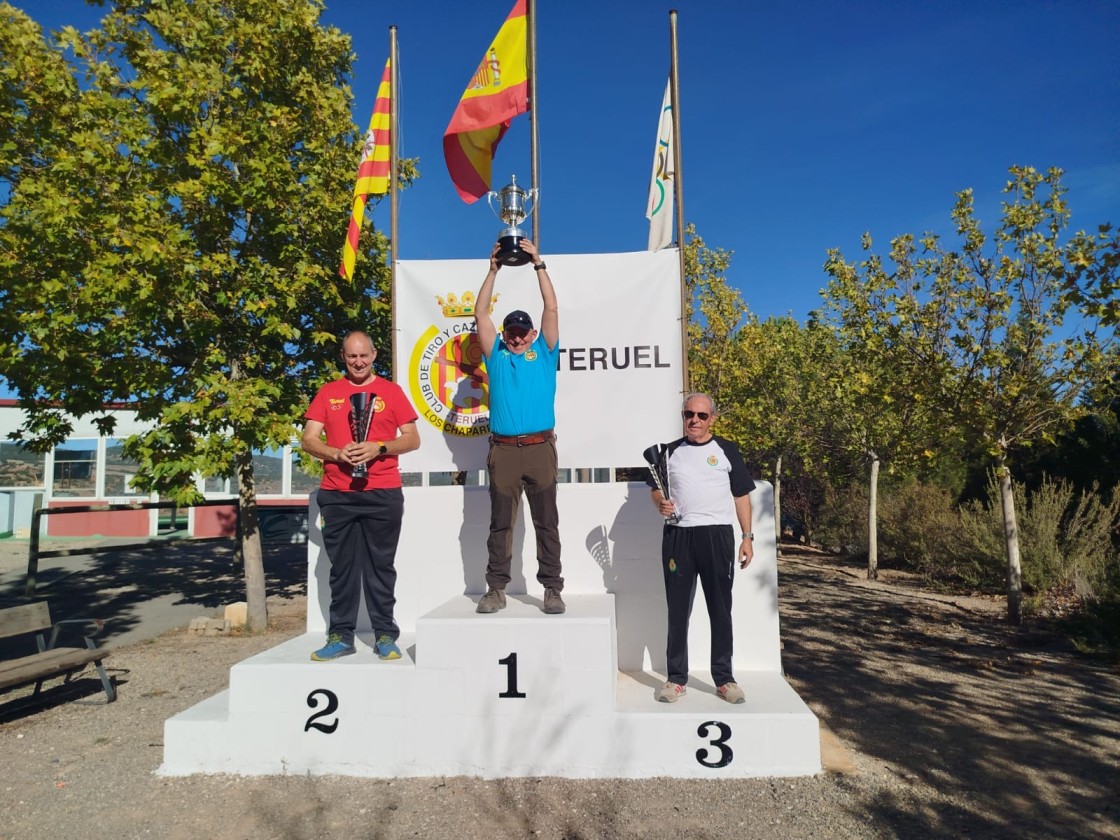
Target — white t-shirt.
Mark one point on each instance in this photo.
(704, 480)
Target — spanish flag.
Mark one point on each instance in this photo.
(497, 93)
(373, 171)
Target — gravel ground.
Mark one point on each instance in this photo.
(955, 724)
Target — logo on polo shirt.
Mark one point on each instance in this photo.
(713, 461)
(530, 355)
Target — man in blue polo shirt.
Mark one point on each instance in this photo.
(521, 366)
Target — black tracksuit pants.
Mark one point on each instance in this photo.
(707, 553)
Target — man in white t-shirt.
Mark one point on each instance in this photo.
(707, 485)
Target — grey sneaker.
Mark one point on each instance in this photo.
(492, 601)
(553, 603)
(669, 692)
(731, 693)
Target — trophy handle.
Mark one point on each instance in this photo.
(490, 196)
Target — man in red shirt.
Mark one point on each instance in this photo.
(361, 513)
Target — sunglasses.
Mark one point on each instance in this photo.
(688, 415)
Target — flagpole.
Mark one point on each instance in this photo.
(678, 187)
(394, 135)
(534, 139)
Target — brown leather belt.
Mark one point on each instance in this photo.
(524, 440)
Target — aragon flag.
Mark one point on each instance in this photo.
(497, 93)
(373, 171)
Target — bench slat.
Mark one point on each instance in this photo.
(51, 663)
(26, 618)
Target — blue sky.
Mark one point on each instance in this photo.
(803, 124)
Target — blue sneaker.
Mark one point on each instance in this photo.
(386, 648)
(333, 649)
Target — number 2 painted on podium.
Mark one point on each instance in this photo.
(511, 677)
(329, 709)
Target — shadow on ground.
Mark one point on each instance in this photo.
(162, 584)
(956, 700)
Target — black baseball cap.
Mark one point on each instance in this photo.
(519, 319)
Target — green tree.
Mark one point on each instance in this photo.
(776, 402)
(878, 397)
(714, 313)
(171, 231)
(987, 321)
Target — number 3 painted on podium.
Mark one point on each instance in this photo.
(725, 752)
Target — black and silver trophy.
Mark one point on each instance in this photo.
(514, 207)
(361, 414)
(657, 457)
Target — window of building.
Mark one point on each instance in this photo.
(268, 471)
(20, 467)
(304, 480)
(75, 469)
(119, 470)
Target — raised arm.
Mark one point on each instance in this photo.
(550, 318)
(484, 324)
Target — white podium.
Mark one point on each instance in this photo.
(518, 692)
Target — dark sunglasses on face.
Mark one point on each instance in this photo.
(688, 415)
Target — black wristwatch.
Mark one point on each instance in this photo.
(382, 449)
(539, 266)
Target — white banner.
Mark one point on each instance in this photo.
(619, 383)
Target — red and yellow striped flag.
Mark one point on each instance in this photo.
(373, 172)
(497, 93)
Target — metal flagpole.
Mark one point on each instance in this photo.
(678, 186)
(394, 135)
(531, 14)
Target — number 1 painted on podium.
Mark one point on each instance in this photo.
(511, 677)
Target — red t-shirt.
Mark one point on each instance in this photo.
(391, 410)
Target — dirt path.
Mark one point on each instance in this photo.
(956, 726)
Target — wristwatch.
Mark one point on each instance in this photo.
(539, 266)
(382, 449)
(748, 535)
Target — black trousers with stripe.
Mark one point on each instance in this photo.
(705, 553)
(360, 533)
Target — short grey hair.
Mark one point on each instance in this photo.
(708, 397)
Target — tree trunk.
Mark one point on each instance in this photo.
(251, 552)
(873, 520)
(778, 502)
(1011, 535)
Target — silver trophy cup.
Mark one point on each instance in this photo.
(514, 206)
(657, 458)
(361, 413)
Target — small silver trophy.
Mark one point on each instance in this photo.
(514, 206)
(657, 458)
(361, 413)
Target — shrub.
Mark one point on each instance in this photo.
(920, 529)
(1065, 538)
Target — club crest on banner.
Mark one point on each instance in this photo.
(447, 375)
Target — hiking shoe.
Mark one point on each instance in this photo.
(492, 601)
(387, 648)
(333, 649)
(553, 603)
(669, 692)
(731, 693)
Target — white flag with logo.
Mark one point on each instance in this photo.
(659, 208)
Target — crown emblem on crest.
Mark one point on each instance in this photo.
(461, 307)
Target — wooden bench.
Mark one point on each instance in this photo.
(51, 660)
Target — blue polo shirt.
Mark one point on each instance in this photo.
(522, 388)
